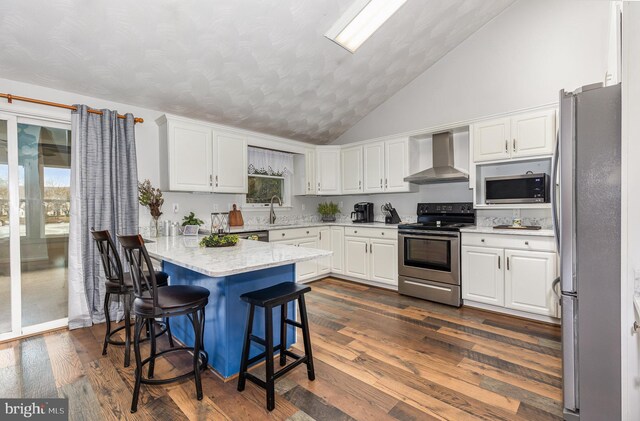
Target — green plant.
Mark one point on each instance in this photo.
(215, 240)
(150, 197)
(328, 209)
(191, 220)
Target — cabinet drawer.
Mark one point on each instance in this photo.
(388, 233)
(287, 234)
(519, 242)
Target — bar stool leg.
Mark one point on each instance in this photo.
(268, 333)
(152, 362)
(139, 324)
(195, 321)
(245, 348)
(311, 374)
(127, 330)
(283, 334)
(107, 296)
(168, 325)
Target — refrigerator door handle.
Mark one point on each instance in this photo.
(554, 191)
(570, 353)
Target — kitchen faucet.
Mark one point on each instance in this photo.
(272, 214)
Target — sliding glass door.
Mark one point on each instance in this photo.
(35, 158)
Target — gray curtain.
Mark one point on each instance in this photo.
(104, 195)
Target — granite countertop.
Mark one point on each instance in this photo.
(246, 256)
(246, 228)
(491, 230)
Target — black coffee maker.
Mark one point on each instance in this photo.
(362, 212)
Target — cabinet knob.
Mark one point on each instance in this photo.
(382, 233)
(482, 240)
(355, 232)
(307, 232)
(283, 234)
(526, 243)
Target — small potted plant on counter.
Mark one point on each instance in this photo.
(191, 224)
(328, 211)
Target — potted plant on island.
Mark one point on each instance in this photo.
(328, 211)
(191, 224)
(151, 198)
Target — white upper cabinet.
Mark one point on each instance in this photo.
(533, 134)
(328, 170)
(374, 157)
(310, 171)
(199, 157)
(523, 135)
(230, 163)
(351, 159)
(396, 165)
(188, 151)
(491, 140)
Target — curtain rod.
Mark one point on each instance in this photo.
(10, 98)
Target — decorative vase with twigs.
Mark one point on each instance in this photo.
(151, 198)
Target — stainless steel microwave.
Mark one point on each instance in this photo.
(527, 188)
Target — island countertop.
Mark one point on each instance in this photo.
(246, 256)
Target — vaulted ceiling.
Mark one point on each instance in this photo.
(262, 65)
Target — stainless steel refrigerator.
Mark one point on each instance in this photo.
(587, 220)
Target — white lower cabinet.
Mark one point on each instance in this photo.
(528, 280)
(512, 272)
(337, 247)
(308, 269)
(369, 254)
(483, 275)
(371, 258)
(356, 257)
(324, 243)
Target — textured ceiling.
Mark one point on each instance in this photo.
(262, 65)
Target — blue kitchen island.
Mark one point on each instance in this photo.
(228, 273)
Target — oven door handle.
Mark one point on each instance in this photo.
(421, 235)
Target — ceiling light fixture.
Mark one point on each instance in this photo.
(360, 21)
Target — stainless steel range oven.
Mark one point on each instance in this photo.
(429, 252)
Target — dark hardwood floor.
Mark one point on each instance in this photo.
(378, 356)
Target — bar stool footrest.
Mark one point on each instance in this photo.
(204, 359)
(293, 323)
(290, 367)
(255, 380)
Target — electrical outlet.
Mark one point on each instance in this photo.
(341, 204)
(216, 208)
(516, 213)
(175, 208)
(304, 207)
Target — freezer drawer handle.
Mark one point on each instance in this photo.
(498, 262)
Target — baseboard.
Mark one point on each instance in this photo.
(511, 312)
(351, 279)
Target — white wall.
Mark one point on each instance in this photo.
(521, 59)
(630, 205)
(147, 150)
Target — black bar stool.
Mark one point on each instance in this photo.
(268, 298)
(120, 284)
(151, 302)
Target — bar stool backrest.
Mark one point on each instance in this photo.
(142, 272)
(109, 255)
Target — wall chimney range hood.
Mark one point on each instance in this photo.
(443, 170)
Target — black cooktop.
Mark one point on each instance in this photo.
(442, 217)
